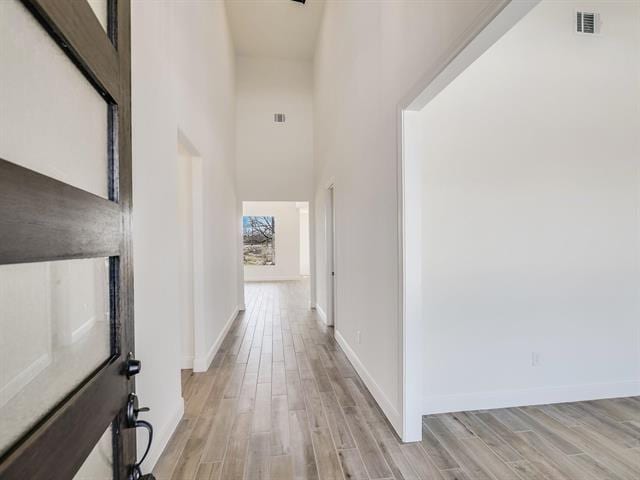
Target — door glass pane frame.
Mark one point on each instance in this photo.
(69, 139)
(57, 330)
(98, 63)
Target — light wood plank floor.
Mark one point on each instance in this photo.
(281, 401)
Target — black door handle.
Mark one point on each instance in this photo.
(135, 473)
(132, 366)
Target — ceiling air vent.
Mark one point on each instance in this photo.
(587, 23)
(278, 117)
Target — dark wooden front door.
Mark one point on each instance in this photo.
(66, 279)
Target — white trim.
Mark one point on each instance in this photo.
(198, 249)
(196, 173)
(321, 313)
(493, 22)
(240, 254)
(187, 362)
(275, 278)
(201, 364)
(162, 437)
(331, 260)
(385, 404)
(530, 396)
(312, 254)
(23, 378)
(410, 281)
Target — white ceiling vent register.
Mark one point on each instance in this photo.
(587, 23)
(278, 117)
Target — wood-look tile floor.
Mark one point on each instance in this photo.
(281, 401)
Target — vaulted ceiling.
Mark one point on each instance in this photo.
(275, 28)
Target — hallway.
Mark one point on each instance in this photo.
(315, 239)
(281, 401)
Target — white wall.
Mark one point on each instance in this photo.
(305, 259)
(185, 253)
(287, 241)
(183, 78)
(369, 57)
(530, 227)
(274, 160)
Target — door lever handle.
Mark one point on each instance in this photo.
(136, 474)
(133, 410)
(149, 427)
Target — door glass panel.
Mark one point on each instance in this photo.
(52, 120)
(99, 463)
(100, 8)
(54, 331)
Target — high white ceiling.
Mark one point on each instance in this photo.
(275, 28)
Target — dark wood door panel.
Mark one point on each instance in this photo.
(75, 27)
(44, 219)
(69, 434)
(126, 440)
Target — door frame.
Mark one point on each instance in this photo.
(43, 219)
(493, 23)
(331, 249)
(199, 361)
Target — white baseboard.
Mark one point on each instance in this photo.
(533, 396)
(187, 362)
(322, 314)
(201, 364)
(273, 278)
(162, 437)
(387, 407)
(23, 378)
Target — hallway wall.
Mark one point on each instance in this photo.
(182, 79)
(274, 160)
(370, 56)
(531, 235)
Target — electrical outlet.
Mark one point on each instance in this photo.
(535, 359)
(358, 336)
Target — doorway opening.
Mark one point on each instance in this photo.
(410, 187)
(412, 228)
(190, 252)
(276, 243)
(501, 216)
(276, 247)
